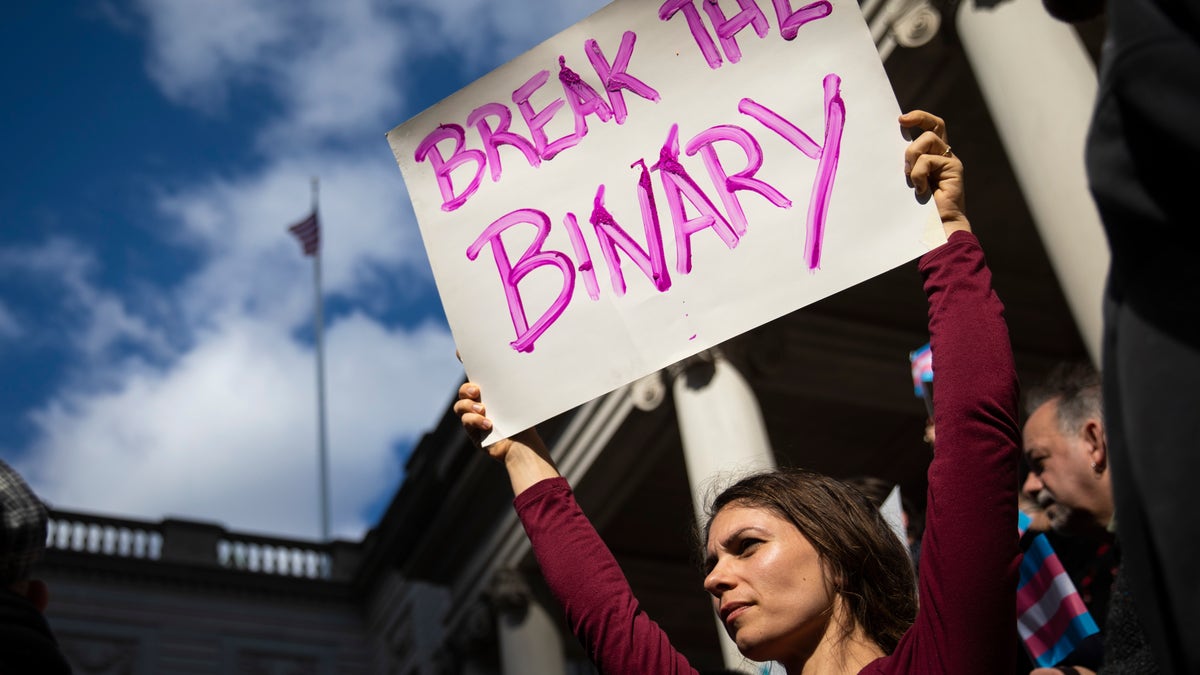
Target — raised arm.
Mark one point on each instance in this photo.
(969, 552)
(579, 569)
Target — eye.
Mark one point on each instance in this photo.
(748, 545)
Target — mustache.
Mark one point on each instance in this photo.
(1044, 498)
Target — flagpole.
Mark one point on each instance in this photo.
(319, 332)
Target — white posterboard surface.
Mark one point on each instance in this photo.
(651, 182)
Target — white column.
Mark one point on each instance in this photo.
(720, 424)
(530, 643)
(1040, 86)
(723, 434)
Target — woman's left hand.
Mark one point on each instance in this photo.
(932, 167)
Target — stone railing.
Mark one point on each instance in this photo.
(275, 556)
(104, 536)
(199, 543)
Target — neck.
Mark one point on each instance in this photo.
(1106, 518)
(1103, 506)
(837, 653)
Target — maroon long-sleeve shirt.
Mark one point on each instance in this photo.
(969, 553)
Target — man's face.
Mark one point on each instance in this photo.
(1061, 478)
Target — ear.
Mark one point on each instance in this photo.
(1092, 433)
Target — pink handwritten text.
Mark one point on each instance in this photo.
(727, 27)
(680, 191)
(493, 122)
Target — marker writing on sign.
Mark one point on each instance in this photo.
(677, 186)
(727, 27)
(492, 122)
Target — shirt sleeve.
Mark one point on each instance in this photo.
(969, 554)
(587, 581)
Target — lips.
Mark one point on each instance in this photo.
(731, 610)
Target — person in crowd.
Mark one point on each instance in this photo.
(802, 569)
(26, 643)
(1070, 478)
(1149, 100)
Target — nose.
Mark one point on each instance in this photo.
(1033, 485)
(718, 580)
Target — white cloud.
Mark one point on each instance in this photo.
(256, 264)
(338, 68)
(95, 321)
(332, 66)
(347, 84)
(199, 49)
(487, 33)
(384, 385)
(228, 432)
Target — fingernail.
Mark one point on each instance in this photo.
(476, 407)
(472, 391)
(907, 167)
(487, 424)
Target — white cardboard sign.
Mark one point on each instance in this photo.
(651, 182)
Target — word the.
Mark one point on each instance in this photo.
(727, 28)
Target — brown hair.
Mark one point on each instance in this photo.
(868, 564)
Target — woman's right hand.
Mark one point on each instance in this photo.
(524, 455)
(472, 414)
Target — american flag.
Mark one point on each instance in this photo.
(1051, 617)
(308, 231)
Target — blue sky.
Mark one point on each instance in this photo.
(155, 315)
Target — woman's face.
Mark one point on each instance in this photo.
(768, 584)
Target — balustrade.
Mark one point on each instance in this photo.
(190, 542)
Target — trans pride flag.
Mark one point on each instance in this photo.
(1051, 617)
(921, 361)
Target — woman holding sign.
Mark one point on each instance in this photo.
(802, 569)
